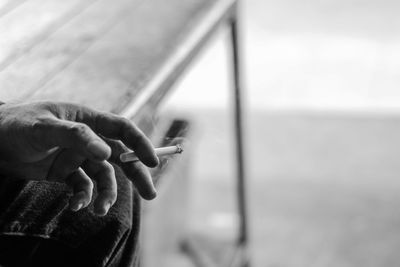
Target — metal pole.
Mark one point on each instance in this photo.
(238, 120)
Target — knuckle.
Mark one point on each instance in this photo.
(50, 105)
(78, 129)
(107, 167)
(89, 185)
(135, 171)
(39, 128)
(126, 122)
(40, 124)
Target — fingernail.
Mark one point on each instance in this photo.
(152, 195)
(107, 206)
(153, 161)
(76, 206)
(99, 149)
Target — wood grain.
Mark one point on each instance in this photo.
(112, 71)
(32, 22)
(102, 56)
(31, 71)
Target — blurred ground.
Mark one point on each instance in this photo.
(322, 130)
(324, 189)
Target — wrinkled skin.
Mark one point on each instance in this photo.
(73, 144)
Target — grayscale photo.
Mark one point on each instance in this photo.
(199, 133)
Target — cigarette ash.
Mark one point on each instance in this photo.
(179, 142)
(166, 160)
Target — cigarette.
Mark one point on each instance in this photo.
(160, 151)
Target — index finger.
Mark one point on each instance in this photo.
(117, 127)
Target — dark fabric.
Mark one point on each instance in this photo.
(37, 228)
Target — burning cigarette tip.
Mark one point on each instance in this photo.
(179, 149)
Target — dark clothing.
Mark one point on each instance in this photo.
(38, 229)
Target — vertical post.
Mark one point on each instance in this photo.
(238, 120)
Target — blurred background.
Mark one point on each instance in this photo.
(322, 128)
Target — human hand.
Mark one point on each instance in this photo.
(73, 144)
